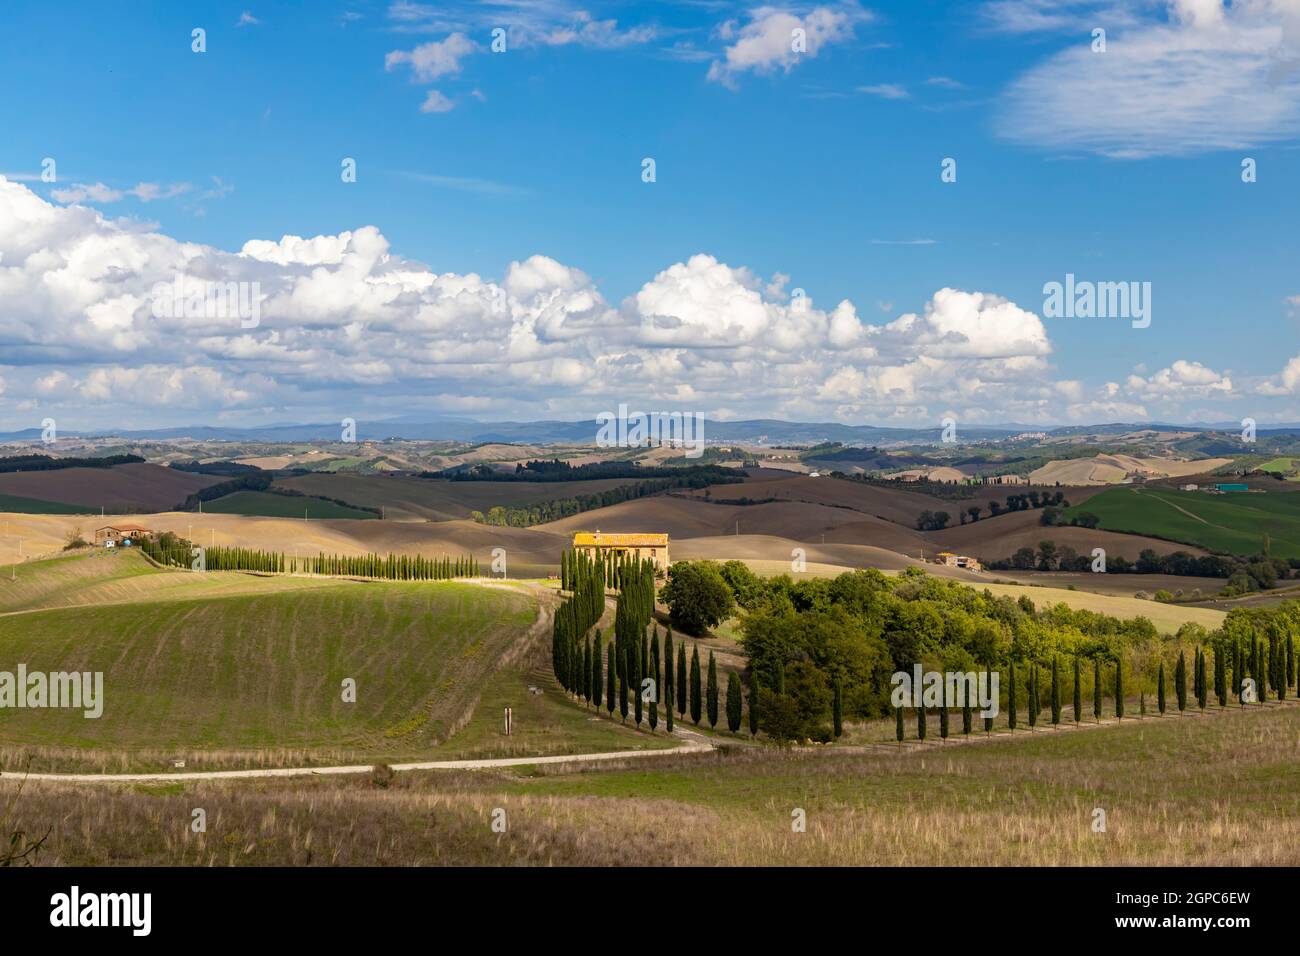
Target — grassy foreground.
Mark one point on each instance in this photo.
(1179, 791)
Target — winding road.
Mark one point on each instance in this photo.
(695, 743)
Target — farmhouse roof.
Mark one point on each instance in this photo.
(589, 538)
(123, 527)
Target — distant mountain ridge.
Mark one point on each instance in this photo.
(769, 431)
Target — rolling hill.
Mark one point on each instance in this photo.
(1112, 469)
(268, 505)
(993, 538)
(137, 487)
(425, 499)
(264, 669)
(1234, 523)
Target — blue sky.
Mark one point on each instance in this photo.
(570, 284)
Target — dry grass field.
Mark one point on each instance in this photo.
(134, 487)
(1112, 469)
(689, 517)
(1215, 790)
(530, 552)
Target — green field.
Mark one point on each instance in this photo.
(1280, 466)
(265, 504)
(229, 669)
(106, 577)
(35, 506)
(1234, 523)
(264, 670)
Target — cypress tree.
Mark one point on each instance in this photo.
(1096, 689)
(966, 715)
(1119, 688)
(898, 724)
(1261, 687)
(837, 710)
(1078, 690)
(654, 674)
(584, 672)
(1202, 676)
(1160, 689)
(681, 679)
(943, 720)
(1180, 681)
(753, 700)
(695, 685)
(734, 705)
(1033, 696)
(636, 666)
(611, 678)
(1220, 676)
(597, 660)
(668, 674)
(711, 692)
(1011, 698)
(1290, 662)
(920, 721)
(1202, 693)
(622, 694)
(1236, 671)
(1279, 668)
(668, 706)
(1056, 693)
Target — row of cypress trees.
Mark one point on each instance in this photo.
(611, 563)
(638, 673)
(584, 578)
(395, 567)
(1269, 664)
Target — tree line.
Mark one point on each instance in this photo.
(394, 567)
(1244, 574)
(938, 520)
(556, 470)
(1247, 668)
(47, 463)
